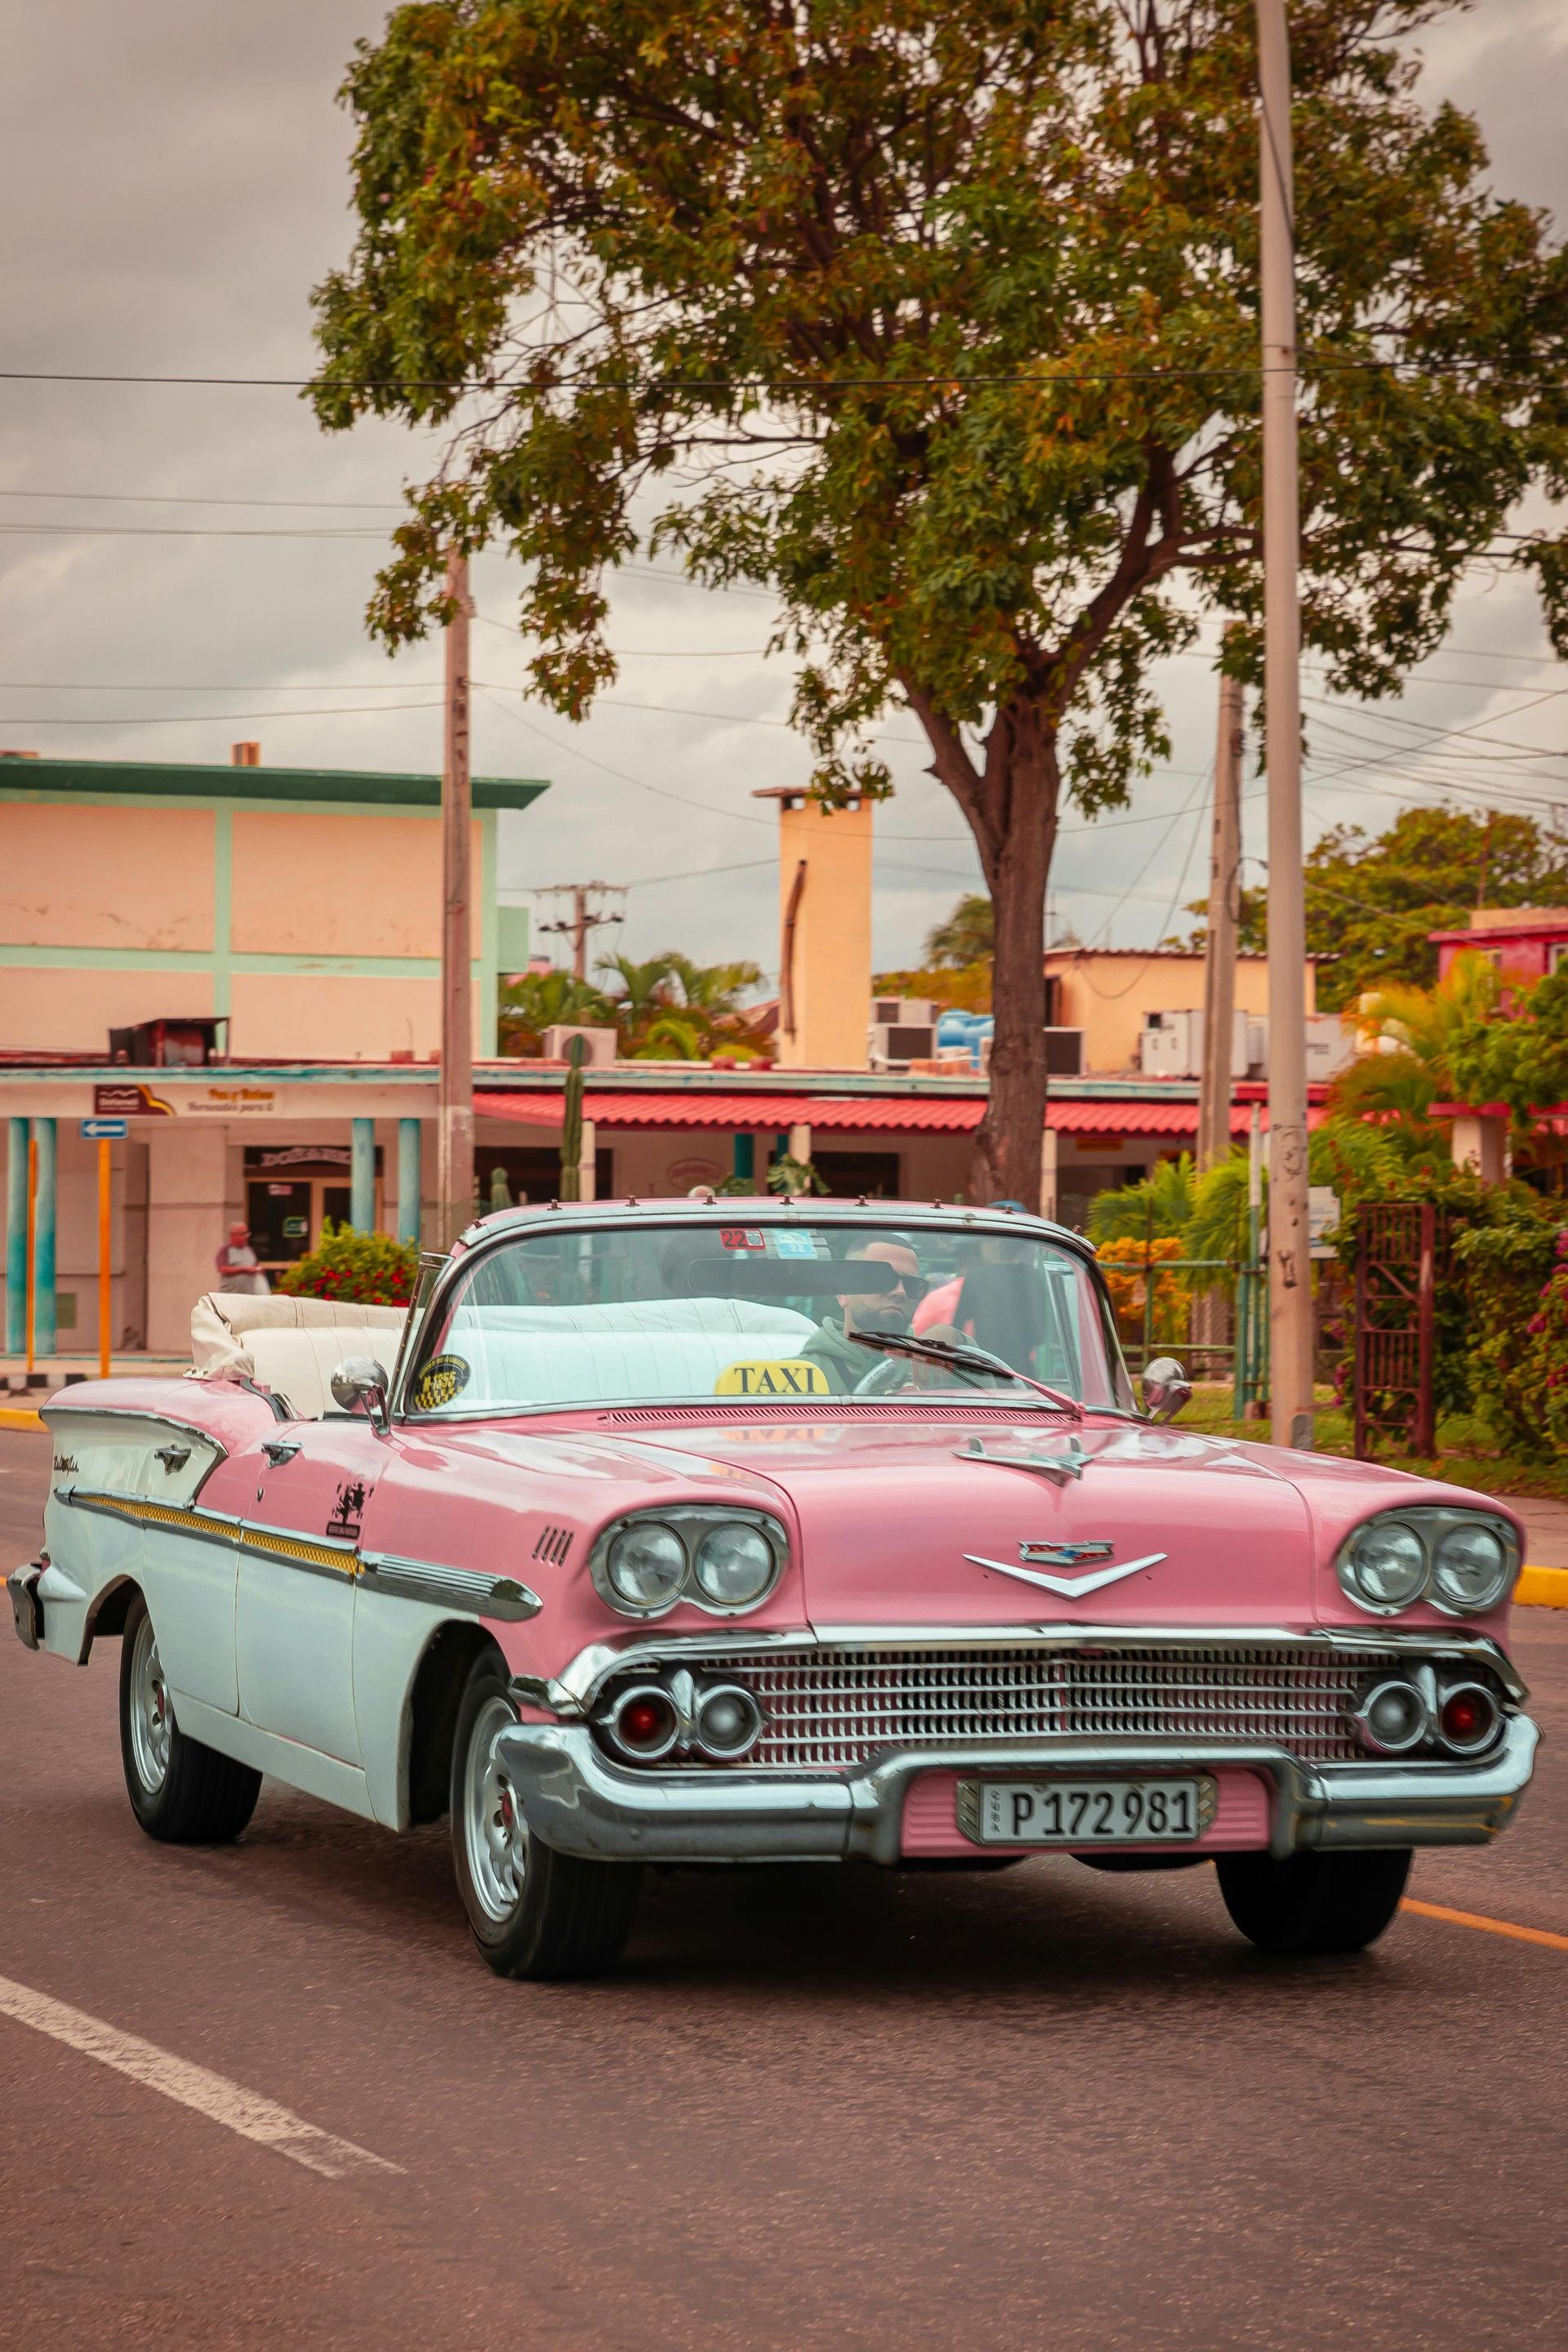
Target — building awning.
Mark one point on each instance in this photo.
(846, 1114)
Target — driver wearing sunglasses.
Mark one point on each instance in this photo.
(883, 1311)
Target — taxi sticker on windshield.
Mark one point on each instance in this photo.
(742, 1237)
(444, 1378)
(772, 1376)
(788, 1245)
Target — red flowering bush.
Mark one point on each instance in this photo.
(368, 1269)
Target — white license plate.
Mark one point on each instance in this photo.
(1085, 1812)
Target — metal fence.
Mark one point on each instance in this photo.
(1245, 1354)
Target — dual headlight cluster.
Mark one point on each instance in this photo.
(715, 1558)
(1463, 1562)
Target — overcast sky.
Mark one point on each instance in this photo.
(172, 182)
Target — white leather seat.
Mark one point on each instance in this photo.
(291, 1346)
(645, 1348)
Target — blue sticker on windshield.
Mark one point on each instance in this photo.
(787, 1244)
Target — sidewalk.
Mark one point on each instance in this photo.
(56, 1371)
(20, 1394)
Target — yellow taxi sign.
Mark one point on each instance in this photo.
(773, 1376)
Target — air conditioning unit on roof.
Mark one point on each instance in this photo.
(1171, 1044)
(600, 1045)
(891, 1044)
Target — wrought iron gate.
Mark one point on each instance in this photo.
(1398, 1244)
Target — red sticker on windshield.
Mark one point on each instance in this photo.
(742, 1237)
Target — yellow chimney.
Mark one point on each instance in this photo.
(825, 932)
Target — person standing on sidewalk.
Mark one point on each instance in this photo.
(237, 1265)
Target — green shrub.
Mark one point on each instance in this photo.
(1511, 1262)
(371, 1269)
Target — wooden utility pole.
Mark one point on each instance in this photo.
(1289, 1260)
(455, 1141)
(585, 917)
(1219, 950)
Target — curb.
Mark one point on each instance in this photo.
(17, 1416)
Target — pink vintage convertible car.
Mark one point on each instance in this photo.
(719, 1531)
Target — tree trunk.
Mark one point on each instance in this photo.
(1019, 793)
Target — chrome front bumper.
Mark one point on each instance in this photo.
(576, 1801)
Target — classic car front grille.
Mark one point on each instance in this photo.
(831, 1707)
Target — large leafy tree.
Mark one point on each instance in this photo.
(1373, 902)
(940, 322)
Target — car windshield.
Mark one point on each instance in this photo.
(777, 1310)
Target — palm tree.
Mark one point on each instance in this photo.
(968, 935)
(1156, 1209)
(1407, 1034)
(670, 1008)
(538, 1001)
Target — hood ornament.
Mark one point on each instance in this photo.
(1068, 1554)
(1069, 1462)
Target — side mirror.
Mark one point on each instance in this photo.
(1166, 1389)
(359, 1380)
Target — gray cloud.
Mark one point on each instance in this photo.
(173, 180)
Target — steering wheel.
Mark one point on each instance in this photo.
(893, 1373)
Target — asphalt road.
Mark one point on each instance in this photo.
(833, 2108)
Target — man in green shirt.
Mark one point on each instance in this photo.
(832, 1348)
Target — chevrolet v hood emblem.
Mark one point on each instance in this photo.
(1068, 1554)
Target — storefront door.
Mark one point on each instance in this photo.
(286, 1205)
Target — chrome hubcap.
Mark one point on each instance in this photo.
(152, 1722)
(495, 1836)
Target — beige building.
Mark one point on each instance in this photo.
(1109, 992)
(825, 932)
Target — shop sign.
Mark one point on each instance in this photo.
(230, 1102)
(684, 1175)
(127, 1100)
(1323, 1216)
(261, 1157)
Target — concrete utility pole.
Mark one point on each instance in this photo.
(1289, 1260)
(1219, 951)
(455, 1141)
(585, 917)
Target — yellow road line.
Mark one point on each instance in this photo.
(1542, 1588)
(1488, 1927)
(16, 1416)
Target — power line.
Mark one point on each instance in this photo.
(218, 718)
(951, 379)
(198, 499)
(661, 791)
(585, 917)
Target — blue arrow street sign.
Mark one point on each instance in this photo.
(105, 1130)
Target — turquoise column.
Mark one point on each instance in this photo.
(746, 1158)
(362, 1177)
(44, 1241)
(408, 1180)
(16, 1236)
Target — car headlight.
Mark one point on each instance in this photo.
(720, 1559)
(1472, 1570)
(1384, 1566)
(647, 1566)
(733, 1565)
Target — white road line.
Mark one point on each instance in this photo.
(214, 2096)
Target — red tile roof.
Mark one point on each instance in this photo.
(844, 1114)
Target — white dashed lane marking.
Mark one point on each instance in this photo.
(213, 2096)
